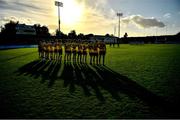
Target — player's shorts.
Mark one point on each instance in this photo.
(68, 52)
(95, 53)
(102, 52)
(45, 50)
(90, 54)
(84, 52)
(40, 49)
(74, 52)
(79, 52)
(60, 51)
(51, 51)
(56, 51)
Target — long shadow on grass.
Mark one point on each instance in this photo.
(93, 79)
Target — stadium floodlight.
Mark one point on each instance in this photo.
(119, 15)
(59, 4)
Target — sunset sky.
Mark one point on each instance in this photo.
(140, 17)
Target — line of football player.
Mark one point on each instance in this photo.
(73, 51)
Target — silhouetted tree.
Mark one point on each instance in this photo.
(72, 34)
(88, 36)
(37, 28)
(9, 28)
(81, 36)
(107, 35)
(178, 34)
(45, 31)
(60, 34)
(41, 31)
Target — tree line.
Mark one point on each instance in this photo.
(8, 34)
(9, 29)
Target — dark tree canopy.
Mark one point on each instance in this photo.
(72, 34)
(41, 31)
(10, 28)
(81, 36)
(107, 35)
(178, 34)
(89, 36)
(60, 34)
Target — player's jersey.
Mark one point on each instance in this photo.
(56, 47)
(52, 47)
(49, 47)
(74, 48)
(45, 46)
(102, 48)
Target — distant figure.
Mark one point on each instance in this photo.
(125, 35)
(110, 43)
(118, 41)
(113, 43)
(125, 38)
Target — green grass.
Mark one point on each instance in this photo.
(138, 81)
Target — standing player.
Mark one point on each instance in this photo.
(74, 51)
(79, 58)
(95, 53)
(102, 52)
(56, 49)
(45, 49)
(91, 52)
(40, 49)
(53, 49)
(84, 52)
(60, 50)
(67, 52)
(48, 50)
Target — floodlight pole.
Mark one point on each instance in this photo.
(59, 4)
(119, 15)
(119, 27)
(59, 22)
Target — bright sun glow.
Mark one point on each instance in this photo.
(71, 12)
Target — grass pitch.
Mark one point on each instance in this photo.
(138, 81)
